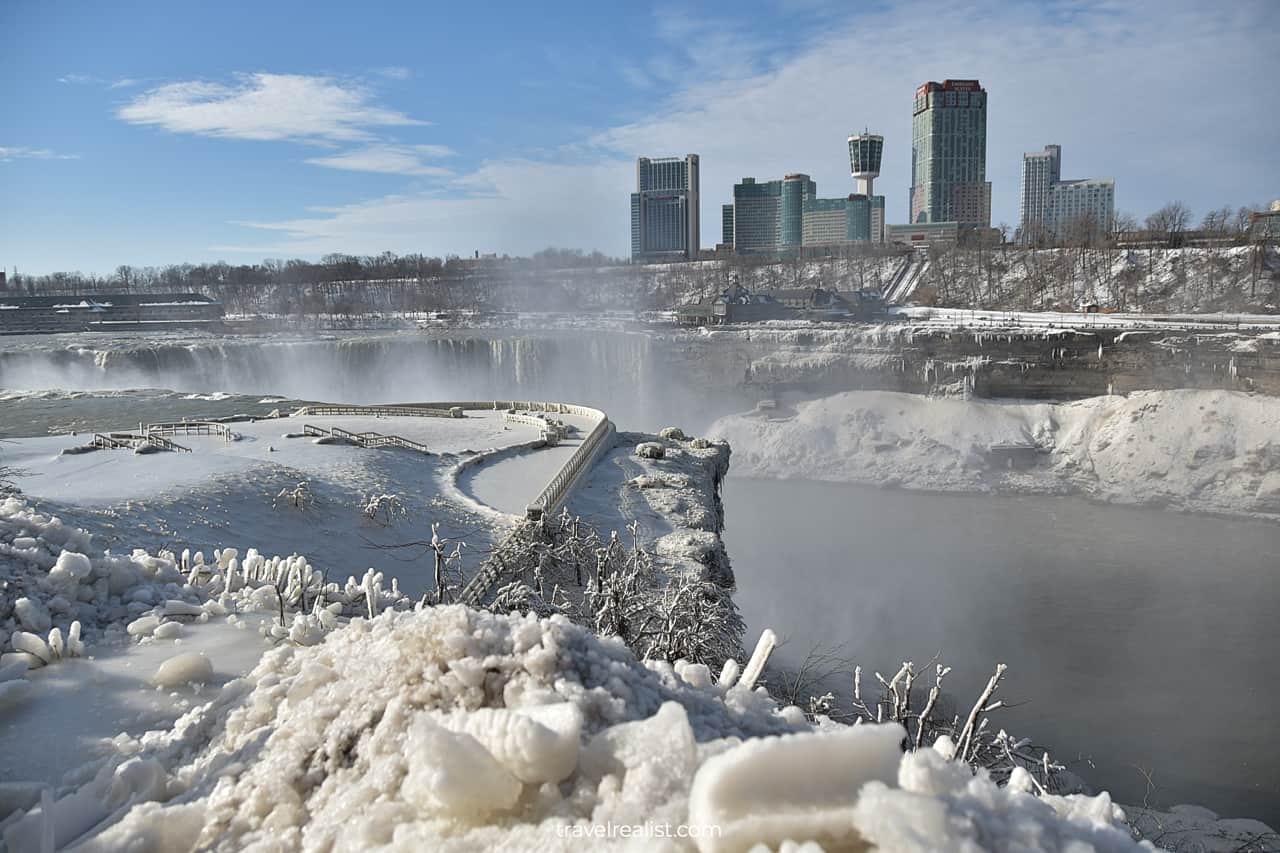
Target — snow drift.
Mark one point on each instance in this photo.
(1207, 451)
(375, 723)
(454, 729)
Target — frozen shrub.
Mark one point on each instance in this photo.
(650, 450)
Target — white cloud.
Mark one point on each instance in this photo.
(91, 80)
(389, 159)
(515, 206)
(1162, 97)
(395, 72)
(265, 107)
(1114, 84)
(24, 153)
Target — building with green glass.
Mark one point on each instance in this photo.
(796, 190)
(726, 225)
(757, 217)
(949, 154)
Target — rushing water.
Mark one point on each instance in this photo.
(1139, 638)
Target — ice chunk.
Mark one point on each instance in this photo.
(168, 631)
(32, 615)
(174, 607)
(755, 666)
(29, 660)
(654, 757)
(70, 569)
(800, 787)
(535, 744)
(24, 641)
(451, 772)
(183, 669)
(143, 626)
(75, 647)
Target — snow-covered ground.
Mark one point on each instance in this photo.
(1204, 451)
(432, 728)
(235, 492)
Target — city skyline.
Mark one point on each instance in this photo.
(296, 138)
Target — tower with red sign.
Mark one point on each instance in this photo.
(949, 154)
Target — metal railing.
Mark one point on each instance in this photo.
(365, 439)
(379, 411)
(193, 428)
(129, 441)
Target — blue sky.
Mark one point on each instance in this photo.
(152, 133)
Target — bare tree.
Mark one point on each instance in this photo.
(1170, 222)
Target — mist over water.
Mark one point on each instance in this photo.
(1131, 634)
(628, 374)
(1135, 637)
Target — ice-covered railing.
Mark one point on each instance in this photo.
(364, 439)
(418, 411)
(550, 499)
(137, 443)
(192, 428)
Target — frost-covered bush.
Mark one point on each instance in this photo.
(618, 589)
(299, 497)
(384, 509)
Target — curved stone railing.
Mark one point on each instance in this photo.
(558, 490)
(552, 497)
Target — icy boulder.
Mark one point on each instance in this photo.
(451, 773)
(800, 787)
(452, 729)
(71, 569)
(32, 615)
(650, 450)
(185, 668)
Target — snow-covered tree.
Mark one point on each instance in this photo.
(299, 496)
(383, 509)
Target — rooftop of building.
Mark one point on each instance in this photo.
(105, 300)
(951, 86)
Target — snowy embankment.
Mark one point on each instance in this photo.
(376, 723)
(448, 728)
(1201, 451)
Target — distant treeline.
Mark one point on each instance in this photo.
(336, 284)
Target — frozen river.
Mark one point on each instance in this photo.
(1136, 638)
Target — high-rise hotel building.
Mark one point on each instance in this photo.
(1050, 205)
(949, 154)
(664, 209)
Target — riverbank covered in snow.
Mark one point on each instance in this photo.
(444, 728)
(369, 721)
(1199, 451)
